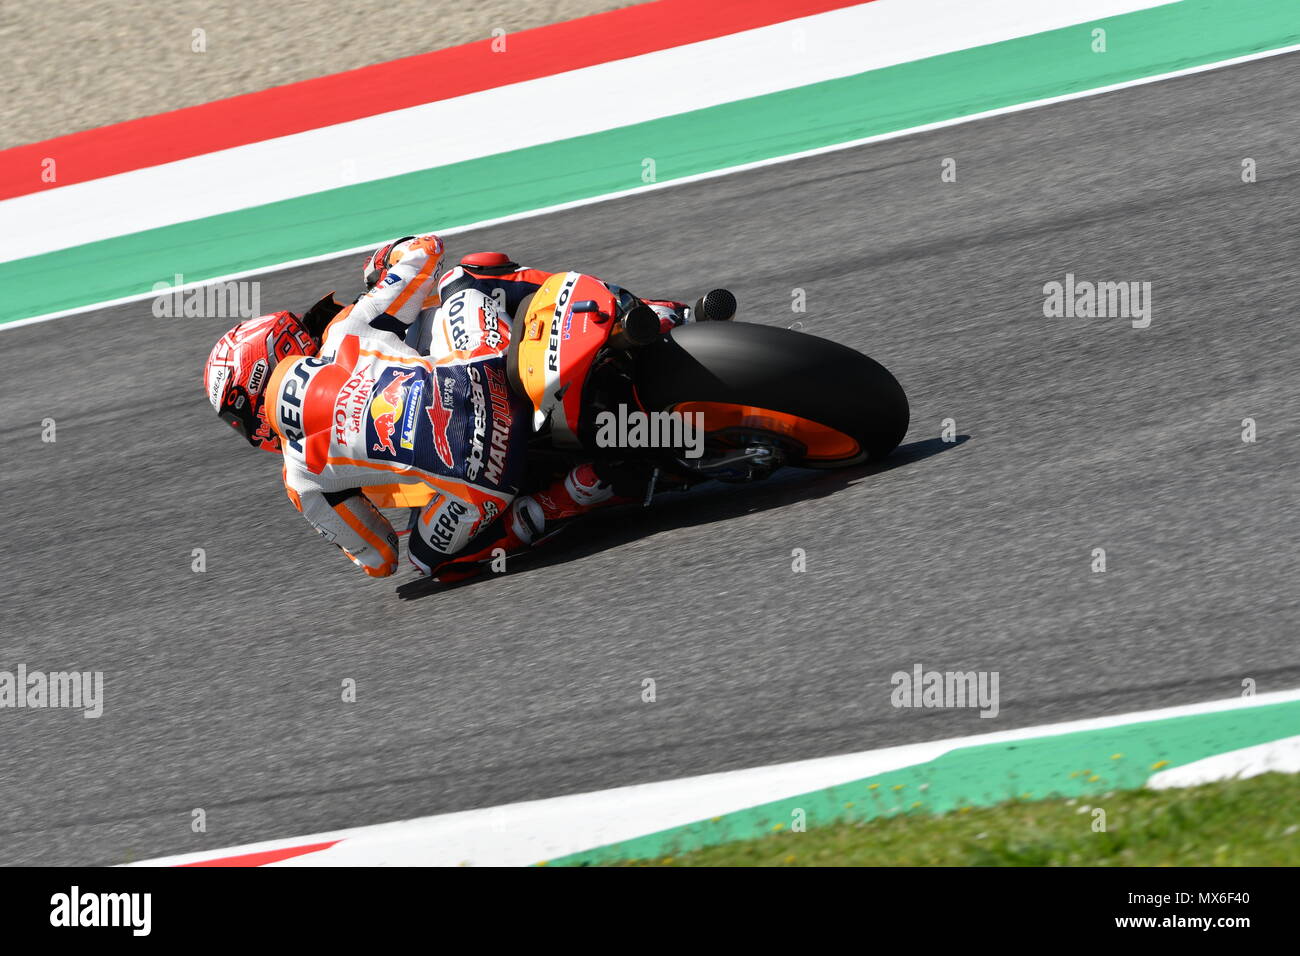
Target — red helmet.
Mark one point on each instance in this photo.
(240, 366)
(379, 261)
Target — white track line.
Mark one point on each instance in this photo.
(520, 834)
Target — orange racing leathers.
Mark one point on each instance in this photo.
(369, 410)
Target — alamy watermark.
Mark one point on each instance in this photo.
(632, 428)
(1098, 300)
(216, 300)
(133, 911)
(938, 689)
(77, 690)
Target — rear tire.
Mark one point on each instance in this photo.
(780, 370)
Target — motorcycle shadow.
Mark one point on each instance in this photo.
(703, 504)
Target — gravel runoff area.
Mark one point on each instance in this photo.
(107, 62)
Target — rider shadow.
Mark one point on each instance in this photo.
(703, 504)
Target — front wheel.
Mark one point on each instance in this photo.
(819, 403)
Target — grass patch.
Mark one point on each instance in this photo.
(1253, 822)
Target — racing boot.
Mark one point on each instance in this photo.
(532, 519)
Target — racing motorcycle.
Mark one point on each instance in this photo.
(585, 352)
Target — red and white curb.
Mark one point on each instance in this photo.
(509, 108)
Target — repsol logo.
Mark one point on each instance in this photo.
(292, 395)
(553, 342)
(443, 530)
(460, 339)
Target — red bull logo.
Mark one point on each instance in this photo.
(386, 410)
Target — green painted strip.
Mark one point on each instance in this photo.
(1141, 44)
(1086, 763)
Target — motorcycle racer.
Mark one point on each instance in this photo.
(370, 408)
(363, 408)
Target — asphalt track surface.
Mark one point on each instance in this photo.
(223, 688)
